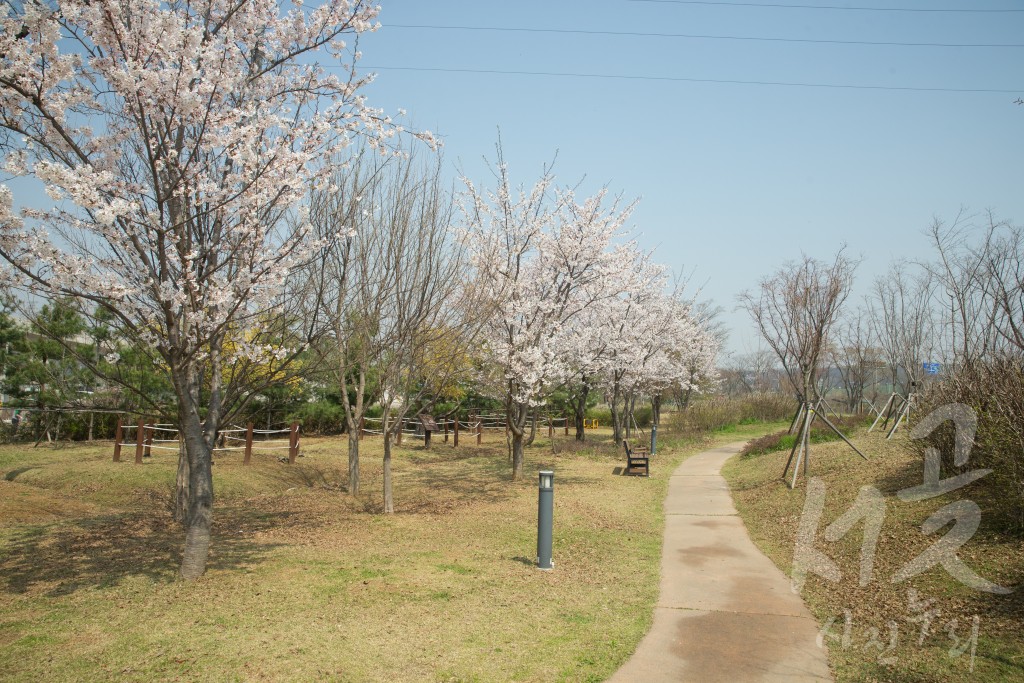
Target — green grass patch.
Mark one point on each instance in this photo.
(308, 583)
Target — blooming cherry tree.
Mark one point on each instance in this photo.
(541, 259)
(175, 138)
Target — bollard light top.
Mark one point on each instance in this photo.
(547, 479)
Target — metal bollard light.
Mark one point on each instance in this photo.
(545, 515)
(654, 438)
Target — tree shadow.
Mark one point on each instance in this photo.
(447, 488)
(103, 550)
(14, 474)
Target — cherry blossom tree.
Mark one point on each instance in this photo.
(598, 330)
(541, 259)
(659, 343)
(175, 138)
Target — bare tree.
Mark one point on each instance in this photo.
(391, 291)
(983, 280)
(795, 310)
(980, 276)
(855, 358)
(903, 323)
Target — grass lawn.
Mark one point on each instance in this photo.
(919, 629)
(308, 583)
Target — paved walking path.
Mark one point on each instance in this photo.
(725, 612)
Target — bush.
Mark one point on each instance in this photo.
(642, 415)
(780, 441)
(994, 389)
(319, 417)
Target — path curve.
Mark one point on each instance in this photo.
(725, 611)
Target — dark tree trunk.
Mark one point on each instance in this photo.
(656, 410)
(616, 415)
(579, 407)
(630, 419)
(180, 512)
(517, 455)
(353, 460)
(516, 417)
(533, 428)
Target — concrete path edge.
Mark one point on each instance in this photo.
(725, 612)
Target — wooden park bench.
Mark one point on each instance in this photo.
(637, 458)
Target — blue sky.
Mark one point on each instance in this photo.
(734, 179)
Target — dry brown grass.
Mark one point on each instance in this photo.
(772, 514)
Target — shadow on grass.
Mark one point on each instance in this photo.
(14, 474)
(102, 551)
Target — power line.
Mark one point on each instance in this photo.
(682, 79)
(832, 7)
(695, 36)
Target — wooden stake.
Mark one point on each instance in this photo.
(293, 443)
(455, 437)
(140, 435)
(149, 443)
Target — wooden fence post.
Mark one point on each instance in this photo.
(118, 437)
(446, 430)
(148, 452)
(551, 428)
(362, 427)
(248, 444)
(398, 436)
(140, 434)
(567, 425)
(293, 443)
(455, 438)
(479, 430)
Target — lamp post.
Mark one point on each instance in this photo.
(545, 514)
(654, 438)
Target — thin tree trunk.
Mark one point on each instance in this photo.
(354, 422)
(616, 414)
(389, 502)
(517, 427)
(580, 409)
(353, 461)
(533, 428)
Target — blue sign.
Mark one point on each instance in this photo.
(931, 368)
